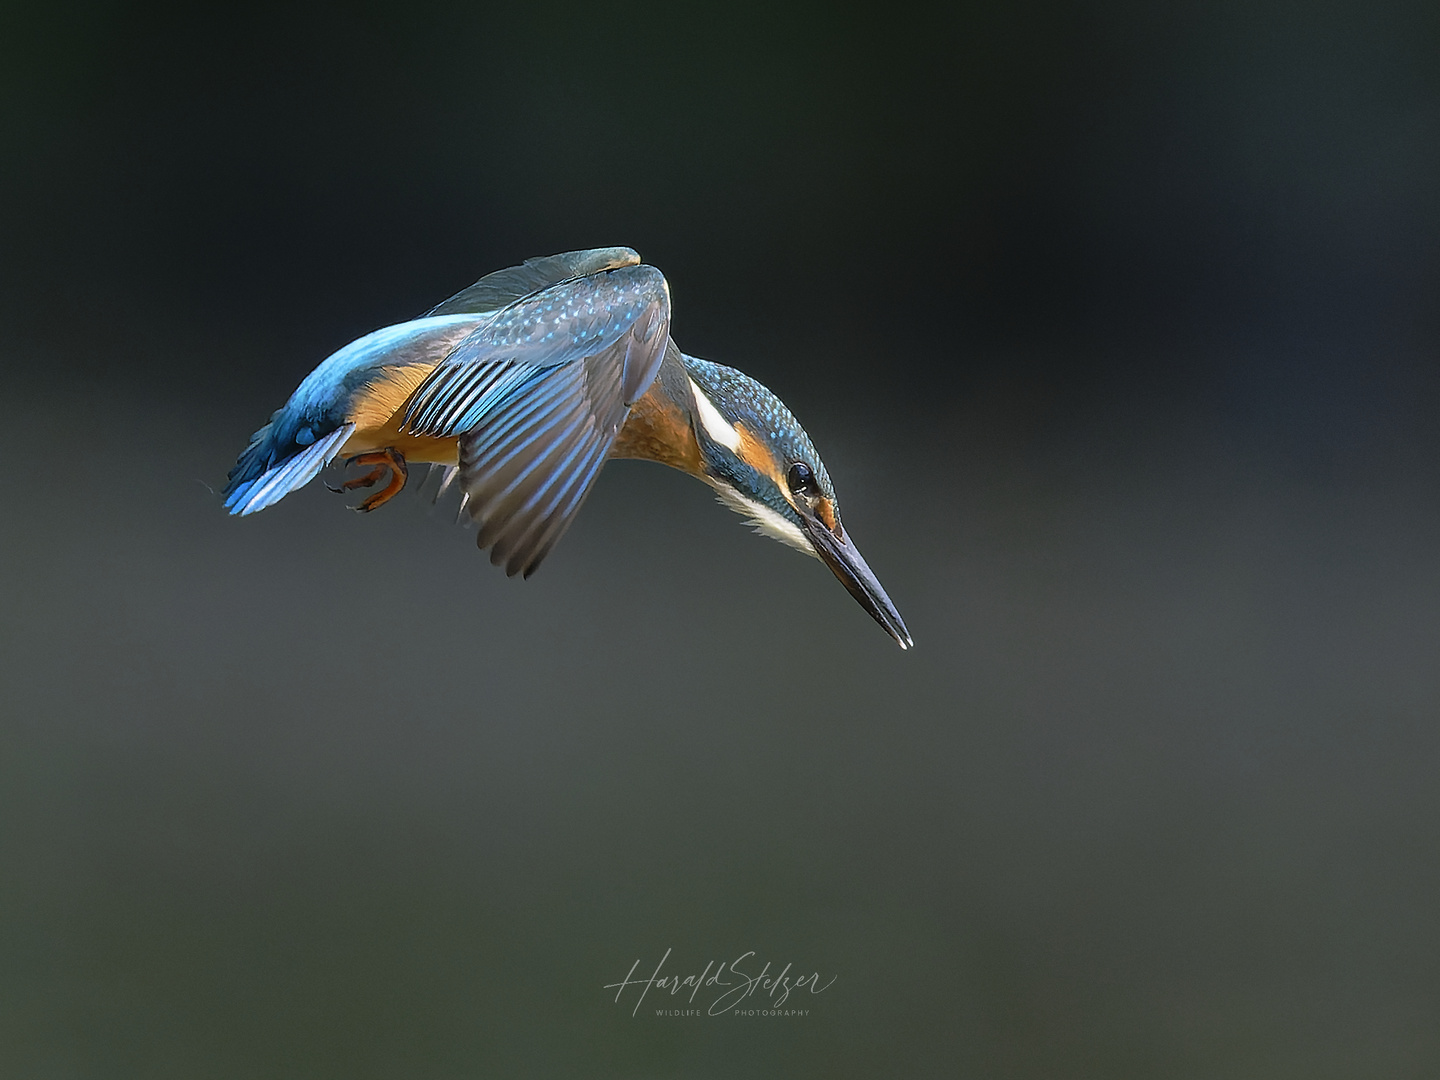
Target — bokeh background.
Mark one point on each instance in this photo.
(1117, 325)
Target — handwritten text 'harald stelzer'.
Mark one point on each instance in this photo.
(733, 983)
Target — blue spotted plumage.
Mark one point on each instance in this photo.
(523, 386)
(559, 326)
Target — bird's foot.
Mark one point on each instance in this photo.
(388, 459)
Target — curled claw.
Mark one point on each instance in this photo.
(369, 479)
(382, 460)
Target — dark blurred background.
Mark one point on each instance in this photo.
(1117, 326)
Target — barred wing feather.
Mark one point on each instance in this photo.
(537, 395)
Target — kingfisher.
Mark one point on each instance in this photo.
(522, 386)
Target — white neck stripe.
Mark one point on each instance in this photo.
(715, 425)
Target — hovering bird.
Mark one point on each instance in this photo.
(522, 386)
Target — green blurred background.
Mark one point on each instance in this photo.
(1117, 326)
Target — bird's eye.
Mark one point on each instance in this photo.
(802, 480)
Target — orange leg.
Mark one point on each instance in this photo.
(390, 459)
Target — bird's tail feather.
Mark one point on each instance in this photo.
(248, 496)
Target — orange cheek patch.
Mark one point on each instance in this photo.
(757, 455)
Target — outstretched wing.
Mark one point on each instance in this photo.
(537, 395)
(494, 291)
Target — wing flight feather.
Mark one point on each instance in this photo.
(536, 395)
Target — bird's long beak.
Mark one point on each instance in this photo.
(841, 555)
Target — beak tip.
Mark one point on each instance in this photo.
(847, 564)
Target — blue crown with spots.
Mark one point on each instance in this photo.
(740, 397)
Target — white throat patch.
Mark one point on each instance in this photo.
(764, 520)
(716, 426)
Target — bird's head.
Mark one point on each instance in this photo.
(763, 465)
